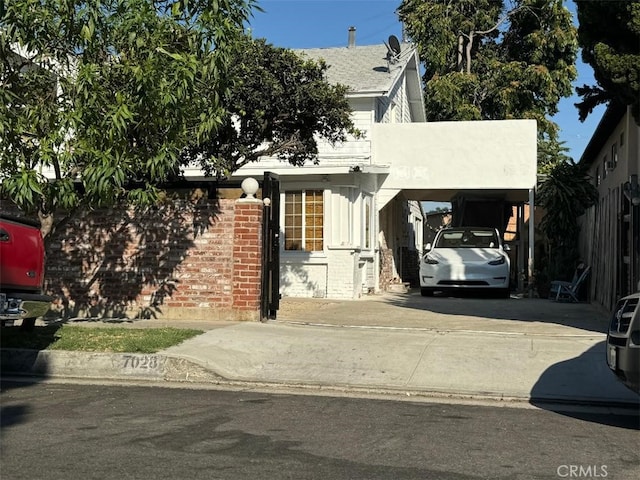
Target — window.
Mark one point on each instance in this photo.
(604, 167)
(598, 180)
(367, 223)
(304, 220)
(466, 238)
(614, 155)
(621, 139)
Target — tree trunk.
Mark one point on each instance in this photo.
(468, 51)
(46, 224)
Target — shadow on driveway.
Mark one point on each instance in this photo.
(587, 377)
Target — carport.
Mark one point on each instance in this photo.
(458, 161)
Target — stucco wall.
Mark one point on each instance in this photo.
(457, 155)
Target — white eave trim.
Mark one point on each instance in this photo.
(314, 170)
(367, 94)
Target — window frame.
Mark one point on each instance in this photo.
(366, 242)
(304, 227)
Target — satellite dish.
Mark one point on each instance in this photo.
(393, 50)
(394, 43)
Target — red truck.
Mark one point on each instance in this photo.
(22, 261)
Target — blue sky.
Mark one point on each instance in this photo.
(325, 23)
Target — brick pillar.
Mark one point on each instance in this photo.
(247, 258)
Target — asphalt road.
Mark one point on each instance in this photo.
(70, 431)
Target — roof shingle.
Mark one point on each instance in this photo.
(363, 69)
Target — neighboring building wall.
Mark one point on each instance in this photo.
(609, 239)
(184, 260)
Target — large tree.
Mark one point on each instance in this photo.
(609, 35)
(115, 98)
(279, 104)
(107, 94)
(490, 59)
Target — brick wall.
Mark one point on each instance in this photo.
(184, 260)
(386, 268)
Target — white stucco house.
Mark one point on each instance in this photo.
(353, 223)
(339, 237)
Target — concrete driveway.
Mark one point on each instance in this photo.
(445, 313)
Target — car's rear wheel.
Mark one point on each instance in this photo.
(426, 292)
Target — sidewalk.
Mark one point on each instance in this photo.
(517, 349)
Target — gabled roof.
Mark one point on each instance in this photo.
(362, 68)
(367, 71)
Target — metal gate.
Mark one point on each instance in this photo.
(270, 295)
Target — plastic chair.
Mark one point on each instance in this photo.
(568, 291)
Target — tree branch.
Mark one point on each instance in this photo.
(291, 143)
(503, 19)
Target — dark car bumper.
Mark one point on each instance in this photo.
(18, 306)
(624, 361)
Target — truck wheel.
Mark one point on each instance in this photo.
(28, 324)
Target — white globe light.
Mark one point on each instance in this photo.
(250, 187)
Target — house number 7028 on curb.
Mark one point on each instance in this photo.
(141, 362)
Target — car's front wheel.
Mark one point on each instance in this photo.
(504, 293)
(426, 292)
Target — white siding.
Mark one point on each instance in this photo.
(340, 218)
(394, 108)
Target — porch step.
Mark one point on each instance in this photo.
(399, 287)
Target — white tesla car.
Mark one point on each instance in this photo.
(465, 258)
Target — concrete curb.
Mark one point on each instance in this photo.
(111, 366)
(159, 369)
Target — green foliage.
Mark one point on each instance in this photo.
(90, 339)
(550, 153)
(609, 34)
(108, 93)
(485, 61)
(566, 193)
(278, 104)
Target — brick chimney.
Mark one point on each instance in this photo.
(352, 37)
